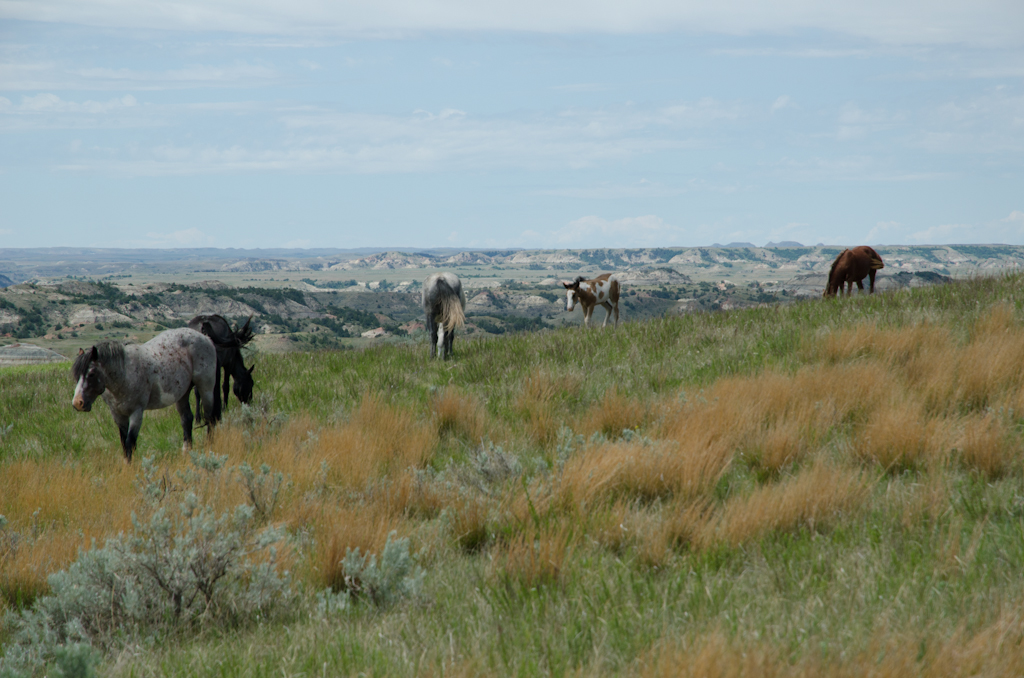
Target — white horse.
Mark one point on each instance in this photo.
(150, 376)
(445, 304)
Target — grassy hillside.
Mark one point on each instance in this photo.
(827, 487)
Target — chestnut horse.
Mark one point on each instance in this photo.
(602, 290)
(852, 266)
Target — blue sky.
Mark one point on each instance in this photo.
(529, 124)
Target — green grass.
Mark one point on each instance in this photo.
(887, 570)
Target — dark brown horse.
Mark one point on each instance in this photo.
(852, 266)
(229, 343)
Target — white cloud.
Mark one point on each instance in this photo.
(1009, 230)
(783, 102)
(190, 237)
(324, 140)
(594, 231)
(978, 22)
(878, 233)
(52, 75)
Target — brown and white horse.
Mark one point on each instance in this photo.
(602, 290)
(852, 266)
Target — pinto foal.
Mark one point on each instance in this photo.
(602, 290)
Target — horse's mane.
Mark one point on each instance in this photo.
(244, 334)
(836, 263)
(578, 280)
(111, 355)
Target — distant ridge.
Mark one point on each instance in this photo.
(784, 243)
(5, 281)
(735, 245)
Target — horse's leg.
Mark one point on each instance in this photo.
(860, 285)
(432, 332)
(607, 313)
(122, 428)
(449, 342)
(134, 424)
(849, 288)
(871, 276)
(226, 387)
(587, 311)
(185, 412)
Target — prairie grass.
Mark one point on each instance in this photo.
(760, 492)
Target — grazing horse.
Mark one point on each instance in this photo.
(851, 266)
(602, 290)
(445, 305)
(229, 345)
(150, 376)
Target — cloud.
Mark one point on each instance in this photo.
(450, 140)
(594, 231)
(783, 102)
(54, 75)
(975, 22)
(638, 189)
(190, 237)
(877, 233)
(1009, 230)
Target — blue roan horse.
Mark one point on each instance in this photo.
(444, 303)
(150, 376)
(229, 345)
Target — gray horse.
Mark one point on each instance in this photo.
(150, 376)
(445, 304)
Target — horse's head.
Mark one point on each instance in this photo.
(87, 371)
(572, 293)
(242, 388)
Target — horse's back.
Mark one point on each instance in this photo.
(434, 288)
(176, 359)
(220, 330)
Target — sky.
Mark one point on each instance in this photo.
(533, 124)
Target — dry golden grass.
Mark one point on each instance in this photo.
(533, 558)
(779, 445)
(539, 401)
(54, 510)
(987, 444)
(612, 414)
(679, 525)
(995, 650)
(378, 439)
(816, 497)
(338, 528)
(460, 415)
(897, 437)
(469, 523)
(645, 471)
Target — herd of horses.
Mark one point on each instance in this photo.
(133, 378)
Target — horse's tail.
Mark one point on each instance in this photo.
(210, 418)
(876, 261)
(452, 314)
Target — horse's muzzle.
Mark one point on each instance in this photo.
(81, 405)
